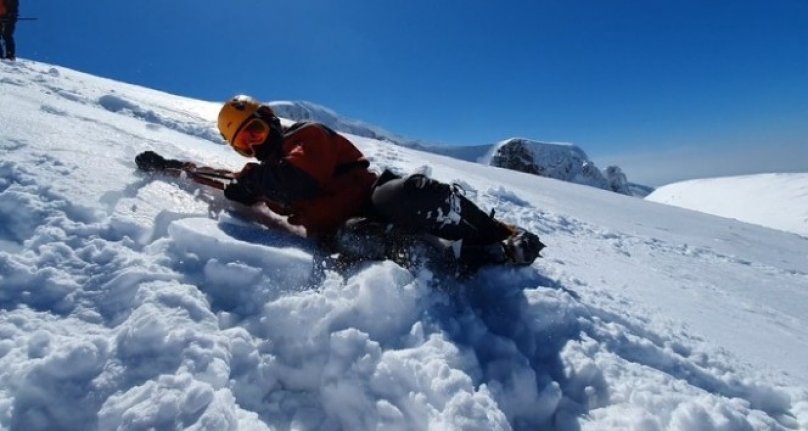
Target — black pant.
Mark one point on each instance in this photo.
(420, 204)
(7, 36)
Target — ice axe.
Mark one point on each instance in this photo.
(149, 161)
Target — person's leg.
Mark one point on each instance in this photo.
(421, 204)
(8, 36)
(2, 39)
(362, 239)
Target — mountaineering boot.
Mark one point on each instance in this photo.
(523, 247)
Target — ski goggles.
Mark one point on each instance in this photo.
(251, 134)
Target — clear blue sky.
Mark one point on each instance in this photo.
(618, 78)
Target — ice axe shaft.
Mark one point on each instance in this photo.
(219, 179)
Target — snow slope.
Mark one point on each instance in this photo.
(129, 302)
(778, 201)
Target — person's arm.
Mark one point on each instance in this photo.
(311, 150)
(307, 167)
(301, 174)
(283, 182)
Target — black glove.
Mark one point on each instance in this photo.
(150, 161)
(247, 188)
(238, 193)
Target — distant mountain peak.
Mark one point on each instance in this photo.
(560, 160)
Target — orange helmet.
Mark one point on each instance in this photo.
(234, 114)
(247, 125)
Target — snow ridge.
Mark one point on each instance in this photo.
(778, 201)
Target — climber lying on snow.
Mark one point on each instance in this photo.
(323, 183)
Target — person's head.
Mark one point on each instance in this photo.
(248, 126)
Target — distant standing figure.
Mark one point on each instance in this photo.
(8, 21)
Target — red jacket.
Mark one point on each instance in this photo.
(9, 7)
(319, 175)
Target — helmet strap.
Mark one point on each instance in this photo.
(272, 145)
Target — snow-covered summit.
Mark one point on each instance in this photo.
(561, 161)
(132, 302)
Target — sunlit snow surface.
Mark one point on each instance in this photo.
(779, 201)
(128, 302)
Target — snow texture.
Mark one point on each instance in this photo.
(129, 302)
